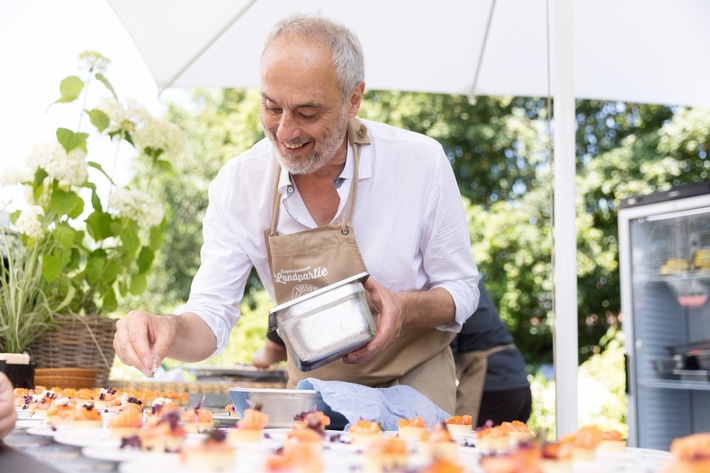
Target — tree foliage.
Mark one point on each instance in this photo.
(500, 151)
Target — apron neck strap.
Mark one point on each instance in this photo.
(357, 136)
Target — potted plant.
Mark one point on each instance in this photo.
(94, 241)
(25, 308)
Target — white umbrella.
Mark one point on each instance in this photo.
(651, 51)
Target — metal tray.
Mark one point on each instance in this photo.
(242, 371)
(281, 405)
(692, 375)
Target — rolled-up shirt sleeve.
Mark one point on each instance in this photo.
(218, 286)
(447, 257)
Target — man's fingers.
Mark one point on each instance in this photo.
(131, 341)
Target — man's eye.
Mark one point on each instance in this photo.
(273, 110)
(308, 116)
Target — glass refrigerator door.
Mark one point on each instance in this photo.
(669, 311)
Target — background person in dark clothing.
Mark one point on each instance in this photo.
(492, 382)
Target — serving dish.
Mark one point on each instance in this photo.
(281, 405)
(326, 324)
(241, 371)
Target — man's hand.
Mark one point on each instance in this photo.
(143, 339)
(387, 308)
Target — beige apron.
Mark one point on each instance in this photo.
(471, 370)
(305, 261)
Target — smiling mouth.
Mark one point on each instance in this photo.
(295, 145)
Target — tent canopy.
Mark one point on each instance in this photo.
(647, 51)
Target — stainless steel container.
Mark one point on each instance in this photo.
(281, 405)
(326, 324)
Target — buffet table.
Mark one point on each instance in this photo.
(36, 448)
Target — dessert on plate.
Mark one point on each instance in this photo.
(164, 435)
(304, 439)
(556, 457)
(517, 432)
(214, 454)
(312, 419)
(438, 444)
(387, 454)
(197, 420)
(365, 432)
(692, 454)
(584, 443)
(493, 439)
(86, 417)
(612, 441)
(460, 425)
(250, 428)
(295, 460)
(411, 428)
(60, 412)
(125, 423)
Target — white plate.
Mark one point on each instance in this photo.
(245, 461)
(85, 437)
(22, 424)
(117, 454)
(24, 413)
(45, 430)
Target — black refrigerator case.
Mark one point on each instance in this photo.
(664, 256)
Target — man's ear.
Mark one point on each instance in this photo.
(355, 99)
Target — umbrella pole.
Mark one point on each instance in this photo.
(565, 342)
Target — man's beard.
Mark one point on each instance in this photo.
(322, 152)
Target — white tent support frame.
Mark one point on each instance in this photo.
(564, 218)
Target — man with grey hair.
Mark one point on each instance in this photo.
(323, 197)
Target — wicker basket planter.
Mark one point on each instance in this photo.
(84, 343)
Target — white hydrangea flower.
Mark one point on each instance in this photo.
(136, 205)
(127, 115)
(29, 223)
(159, 134)
(69, 169)
(13, 175)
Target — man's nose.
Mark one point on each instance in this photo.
(288, 127)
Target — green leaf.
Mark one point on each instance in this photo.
(155, 238)
(96, 201)
(70, 88)
(131, 240)
(108, 85)
(98, 225)
(37, 188)
(99, 119)
(95, 266)
(164, 165)
(65, 235)
(98, 167)
(109, 303)
(70, 140)
(111, 272)
(66, 203)
(75, 257)
(52, 266)
(145, 260)
(138, 284)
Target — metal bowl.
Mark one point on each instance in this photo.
(326, 324)
(281, 405)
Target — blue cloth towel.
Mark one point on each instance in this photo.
(384, 405)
